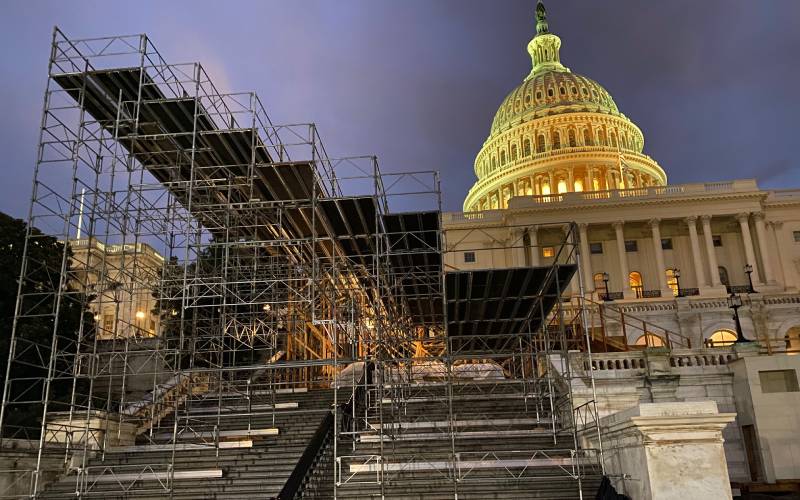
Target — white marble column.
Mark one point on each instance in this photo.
(691, 223)
(517, 247)
(785, 264)
(659, 252)
(713, 267)
(763, 247)
(586, 258)
(570, 180)
(574, 283)
(536, 252)
(625, 283)
(750, 254)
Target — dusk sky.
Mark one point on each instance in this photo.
(713, 84)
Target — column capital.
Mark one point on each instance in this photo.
(758, 216)
(583, 226)
(618, 224)
(705, 219)
(743, 216)
(777, 224)
(654, 222)
(691, 220)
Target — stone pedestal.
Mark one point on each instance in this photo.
(667, 451)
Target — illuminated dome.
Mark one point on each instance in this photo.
(558, 132)
(549, 93)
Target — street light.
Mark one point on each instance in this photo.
(748, 269)
(735, 302)
(676, 273)
(605, 281)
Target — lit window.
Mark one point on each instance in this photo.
(562, 186)
(778, 381)
(666, 243)
(596, 248)
(545, 188)
(469, 256)
(721, 338)
(578, 185)
(548, 252)
(649, 340)
(672, 281)
(635, 281)
(600, 285)
(717, 239)
(631, 246)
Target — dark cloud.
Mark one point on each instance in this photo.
(712, 84)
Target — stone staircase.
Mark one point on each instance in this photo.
(255, 457)
(504, 443)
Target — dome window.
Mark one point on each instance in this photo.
(571, 138)
(540, 144)
(513, 152)
(526, 147)
(563, 91)
(502, 157)
(549, 92)
(587, 137)
(574, 90)
(538, 95)
(556, 140)
(584, 91)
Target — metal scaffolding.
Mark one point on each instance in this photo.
(222, 258)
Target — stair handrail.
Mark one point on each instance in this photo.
(672, 339)
(295, 484)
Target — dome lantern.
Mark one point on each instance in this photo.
(545, 46)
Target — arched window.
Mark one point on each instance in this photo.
(635, 280)
(550, 92)
(562, 186)
(538, 95)
(601, 137)
(563, 91)
(600, 285)
(723, 276)
(587, 137)
(672, 281)
(545, 188)
(526, 147)
(571, 137)
(540, 144)
(556, 140)
(613, 140)
(721, 338)
(513, 152)
(578, 187)
(502, 157)
(649, 340)
(494, 162)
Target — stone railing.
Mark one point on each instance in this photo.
(636, 363)
(654, 192)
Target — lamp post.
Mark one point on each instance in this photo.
(605, 281)
(748, 269)
(735, 302)
(676, 273)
